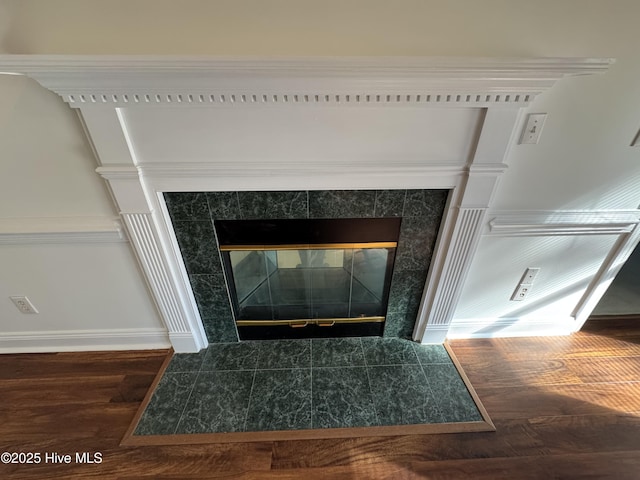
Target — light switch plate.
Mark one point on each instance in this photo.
(533, 128)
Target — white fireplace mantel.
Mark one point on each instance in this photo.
(136, 108)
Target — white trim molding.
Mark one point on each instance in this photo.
(568, 222)
(510, 327)
(131, 81)
(625, 224)
(104, 87)
(52, 230)
(84, 340)
(158, 273)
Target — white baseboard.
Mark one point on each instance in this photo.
(84, 340)
(511, 327)
(184, 343)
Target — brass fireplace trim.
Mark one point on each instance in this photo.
(317, 246)
(303, 322)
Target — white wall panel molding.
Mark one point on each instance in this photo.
(543, 223)
(617, 257)
(158, 274)
(152, 80)
(60, 230)
(84, 340)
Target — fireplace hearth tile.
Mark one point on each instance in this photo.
(187, 205)
(231, 356)
(233, 392)
(453, 397)
(342, 203)
(337, 352)
(223, 205)
(342, 398)
(284, 354)
(402, 396)
(219, 402)
(429, 354)
(186, 362)
(163, 413)
(274, 205)
(388, 351)
(280, 400)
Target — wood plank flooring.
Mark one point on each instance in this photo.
(564, 407)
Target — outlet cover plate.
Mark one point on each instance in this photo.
(23, 304)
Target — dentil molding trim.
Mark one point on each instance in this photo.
(151, 80)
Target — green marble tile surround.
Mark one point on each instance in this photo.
(192, 216)
(307, 384)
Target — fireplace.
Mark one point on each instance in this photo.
(308, 278)
(393, 228)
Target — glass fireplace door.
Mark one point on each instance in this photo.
(300, 285)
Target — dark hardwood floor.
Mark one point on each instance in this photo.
(564, 407)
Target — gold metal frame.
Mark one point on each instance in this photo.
(303, 322)
(317, 246)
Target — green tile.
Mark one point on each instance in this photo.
(186, 362)
(417, 241)
(284, 354)
(337, 352)
(399, 325)
(389, 203)
(342, 398)
(388, 351)
(452, 397)
(426, 203)
(428, 354)
(263, 205)
(218, 403)
(223, 205)
(402, 395)
(280, 400)
(187, 206)
(198, 246)
(231, 356)
(342, 203)
(167, 403)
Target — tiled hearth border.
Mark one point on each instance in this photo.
(192, 215)
(484, 425)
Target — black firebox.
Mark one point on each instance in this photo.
(308, 278)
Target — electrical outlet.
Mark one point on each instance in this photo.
(533, 128)
(529, 275)
(24, 304)
(520, 293)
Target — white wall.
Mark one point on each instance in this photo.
(583, 160)
(90, 295)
